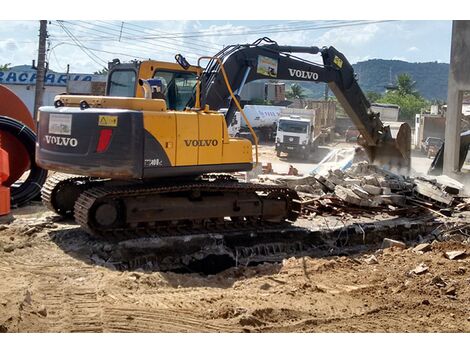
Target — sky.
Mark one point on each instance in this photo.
(87, 45)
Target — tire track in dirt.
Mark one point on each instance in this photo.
(158, 320)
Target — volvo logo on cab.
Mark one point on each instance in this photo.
(62, 141)
(303, 74)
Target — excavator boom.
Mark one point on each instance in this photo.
(246, 63)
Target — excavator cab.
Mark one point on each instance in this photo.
(175, 82)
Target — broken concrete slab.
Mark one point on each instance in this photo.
(388, 243)
(432, 192)
(392, 199)
(360, 192)
(423, 247)
(348, 196)
(371, 189)
(455, 254)
(371, 260)
(420, 269)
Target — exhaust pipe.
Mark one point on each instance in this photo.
(146, 87)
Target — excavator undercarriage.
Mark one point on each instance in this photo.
(117, 211)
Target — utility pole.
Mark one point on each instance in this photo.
(41, 68)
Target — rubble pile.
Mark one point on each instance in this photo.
(367, 187)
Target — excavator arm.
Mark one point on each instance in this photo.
(246, 63)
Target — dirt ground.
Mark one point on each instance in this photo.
(46, 286)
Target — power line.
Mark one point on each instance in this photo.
(193, 45)
(81, 46)
(114, 34)
(270, 31)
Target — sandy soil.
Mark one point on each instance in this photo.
(46, 287)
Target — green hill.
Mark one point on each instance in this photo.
(431, 77)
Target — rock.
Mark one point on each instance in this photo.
(388, 243)
(454, 254)
(393, 199)
(461, 270)
(426, 302)
(3, 227)
(27, 298)
(265, 286)
(9, 249)
(386, 190)
(438, 281)
(352, 181)
(108, 247)
(348, 196)
(423, 247)
(371, 181)
(250, 321)
(360, 192)
(420, 269)
(97, 260)
(373, 190)
(42, 311)
(371, 260)
(451, 291)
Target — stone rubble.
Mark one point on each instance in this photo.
(366, 186)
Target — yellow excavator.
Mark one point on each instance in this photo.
(152, 156)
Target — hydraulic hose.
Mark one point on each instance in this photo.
(31, 187)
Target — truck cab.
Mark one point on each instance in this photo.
(295, 136)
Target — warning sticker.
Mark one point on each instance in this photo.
(107, 120)
(338, 61)
(60, 124)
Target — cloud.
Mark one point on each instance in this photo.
(413, 48)
(400, 58)
(359, 35)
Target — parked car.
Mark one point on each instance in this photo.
(431, 142)
(352, 134)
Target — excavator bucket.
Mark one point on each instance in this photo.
(393, 154)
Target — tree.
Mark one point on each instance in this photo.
(373, 97)
(410, 105)
(5, 67)
(405, 86)
(103, 71)
(296, 92)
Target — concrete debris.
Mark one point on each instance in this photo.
(42, 311)
(427, 190)
(438, 281)
(454, 254)
(423, 247)
(366, 186)
(451, 291)
(420, 269)
(387, 243)
(371, 260)
(373, 190)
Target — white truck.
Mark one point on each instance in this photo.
(296, 136)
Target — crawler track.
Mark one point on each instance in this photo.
(125, 212)
(60, 192)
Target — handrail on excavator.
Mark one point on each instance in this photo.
(234, 98)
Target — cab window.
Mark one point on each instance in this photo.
(122, 83)
(177, 87)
